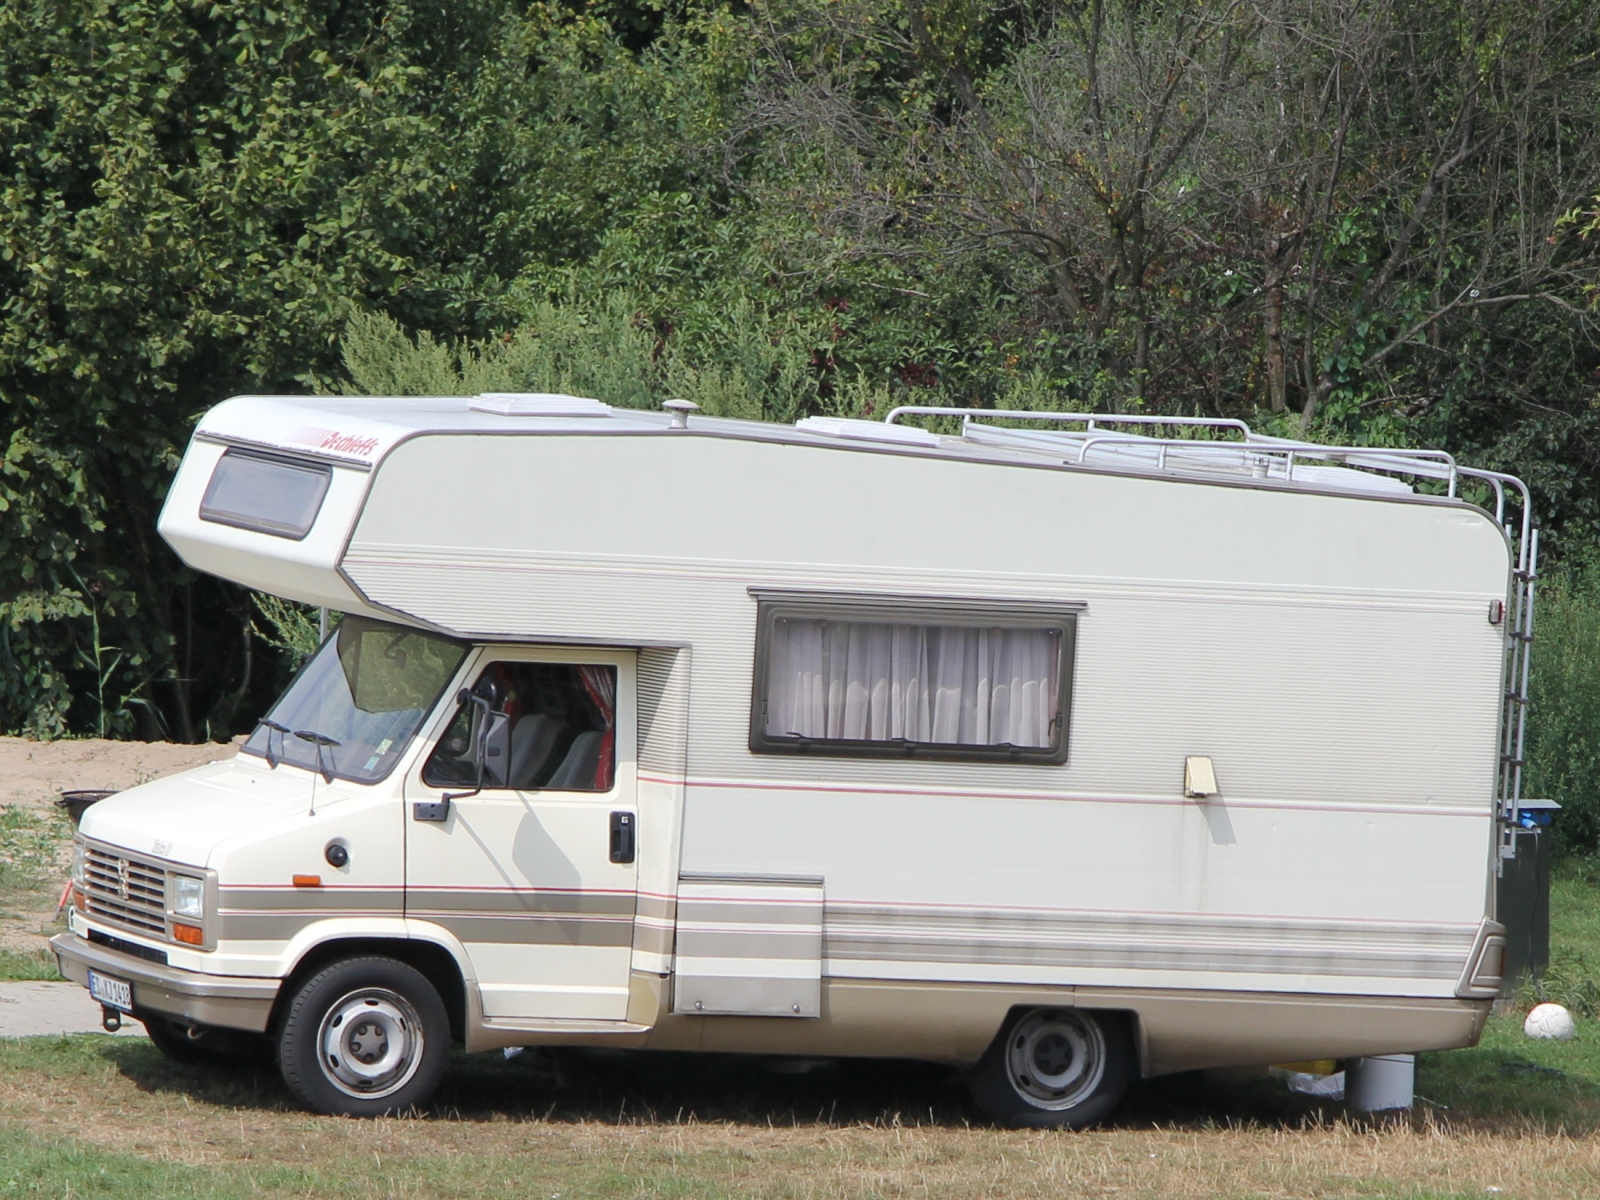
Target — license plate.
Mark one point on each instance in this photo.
(118, 993)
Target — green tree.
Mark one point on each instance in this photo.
(195, 196)
(1353, 211)
(1358, 219)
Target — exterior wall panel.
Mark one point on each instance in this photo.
(1330, 654)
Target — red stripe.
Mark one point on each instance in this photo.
(1172, 802)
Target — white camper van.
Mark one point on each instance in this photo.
(1026, 742)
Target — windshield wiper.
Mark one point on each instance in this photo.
(319, 740)
(280, 730)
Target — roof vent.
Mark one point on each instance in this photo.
(869, 431)
(537, 404)
(679, 411)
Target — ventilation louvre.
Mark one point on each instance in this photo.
(538, 404)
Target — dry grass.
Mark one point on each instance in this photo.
(669, 1126)
(34, 848)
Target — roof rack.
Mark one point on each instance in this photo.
(1253, 455)
(1257, 456)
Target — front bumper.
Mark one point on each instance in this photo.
(229, 1002)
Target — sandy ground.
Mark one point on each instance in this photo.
(34, 774)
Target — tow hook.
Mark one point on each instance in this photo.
(110, 1018)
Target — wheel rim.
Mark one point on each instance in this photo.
(1055, 1058)
(370, 1043)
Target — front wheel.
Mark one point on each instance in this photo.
(364, 1037)
(1055, 1068)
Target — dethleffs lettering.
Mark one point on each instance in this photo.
(347, 443)
(334, 441)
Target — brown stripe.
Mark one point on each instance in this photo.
(1129, 941)
(515, 930)
(698, 910)
(535, 931)
(1122, 925)
(472, 900)
(1282, 961)
(652, 939)
(662, 908)
(753, 944)
(320, 899)
(270, 927)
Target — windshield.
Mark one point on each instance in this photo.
(367, 688)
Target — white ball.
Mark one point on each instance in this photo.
(1550, 1022)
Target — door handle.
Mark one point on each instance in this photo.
(622, 839)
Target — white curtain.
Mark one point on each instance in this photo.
(923, 683)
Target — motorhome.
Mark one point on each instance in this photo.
(1061, 748)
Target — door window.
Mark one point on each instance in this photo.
(555, 730)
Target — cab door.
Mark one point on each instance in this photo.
(535, 873)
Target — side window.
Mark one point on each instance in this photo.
(557, 730)
(866, 678)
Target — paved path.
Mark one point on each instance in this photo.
(48, 1009)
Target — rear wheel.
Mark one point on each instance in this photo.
(1055, 1068)
(365, 1037)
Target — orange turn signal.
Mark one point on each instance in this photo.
(192, 935)
(308, 881)
(78, 901)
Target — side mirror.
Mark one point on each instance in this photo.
(491, 759)
(493, 751)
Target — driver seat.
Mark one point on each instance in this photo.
(533, 737)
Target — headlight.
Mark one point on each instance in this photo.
(188, 896)
(77, 863)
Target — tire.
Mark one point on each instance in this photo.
(364, 1037)
(204, 1045)
(1055, 1068)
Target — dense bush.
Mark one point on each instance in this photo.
(1563, 749)
(194, 197)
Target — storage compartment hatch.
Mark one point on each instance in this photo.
(749, 946)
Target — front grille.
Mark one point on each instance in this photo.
(122, 890)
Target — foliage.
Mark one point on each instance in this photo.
(1569, 980)
(193, 198)
(192, 193)
(293, 629)
(1369, 222)
(761, 369)
(1563, 749)
(34, 697)
(1359, 212)
(1572, 977)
